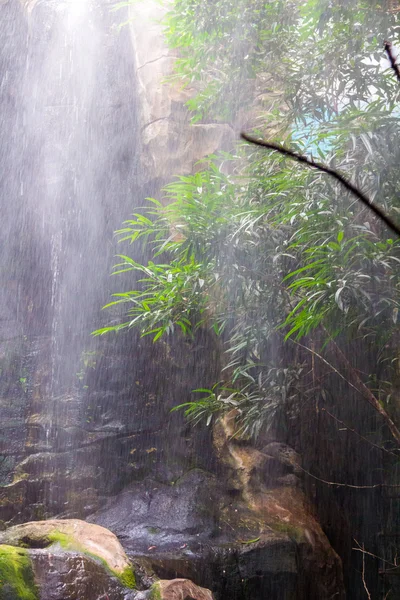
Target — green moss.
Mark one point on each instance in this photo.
(127, 578)
(20, 476)
(295, 533)
(16, 575)
(65, 541)
(155, 592)
(153, 530)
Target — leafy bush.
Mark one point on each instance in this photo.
(279, 261)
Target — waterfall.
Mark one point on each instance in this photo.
(70, 178)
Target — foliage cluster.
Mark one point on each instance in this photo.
(321, 55)
(268, 254)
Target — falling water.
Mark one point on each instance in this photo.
(71, 174)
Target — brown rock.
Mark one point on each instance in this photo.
(279, 506)
(179, 589)
(73, 534)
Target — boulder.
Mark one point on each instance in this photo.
(179, 589)
(51, 574)
(250, 543)
(79, 540)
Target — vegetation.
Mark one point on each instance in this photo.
(287, 269)
(322, 56)
(155, 593)
(16, 575)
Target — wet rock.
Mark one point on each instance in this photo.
(165, 517)
(73, 535)
(269, 493)
(170, 143)
(179, 589)
(196, 529)
(285, 455)
(74, 576)
(56, 575)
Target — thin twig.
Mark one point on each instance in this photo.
(335, 174)
(392, 59)
(349, 485)
(359, 434)
(363, 576)
(362, 549)
(328, 364)
(365, 391)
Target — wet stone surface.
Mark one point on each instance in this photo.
(69, 576)
(179, 531)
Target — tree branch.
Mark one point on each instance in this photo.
(361, 548)
(335, 174)
(349, 485)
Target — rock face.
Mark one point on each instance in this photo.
(74, 576)
(270, 488)
(64, 560)
(208, 530)
(80, 418)
(48, 575)
(171, 146)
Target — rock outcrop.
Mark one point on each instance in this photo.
(171, 145)
(269, 487)
(63, 560)
(259, 541)
(73, 535)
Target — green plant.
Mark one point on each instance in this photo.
(321, 56)
(272, 255)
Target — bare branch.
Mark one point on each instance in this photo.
(364, 390)
(314, 353)
(392, 59)
(335, 174)
(349, 485)
(364, 551)
(363, 577)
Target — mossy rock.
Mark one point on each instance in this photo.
(73, 535)
(16, 575)
(155, 592)
(295, 533)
